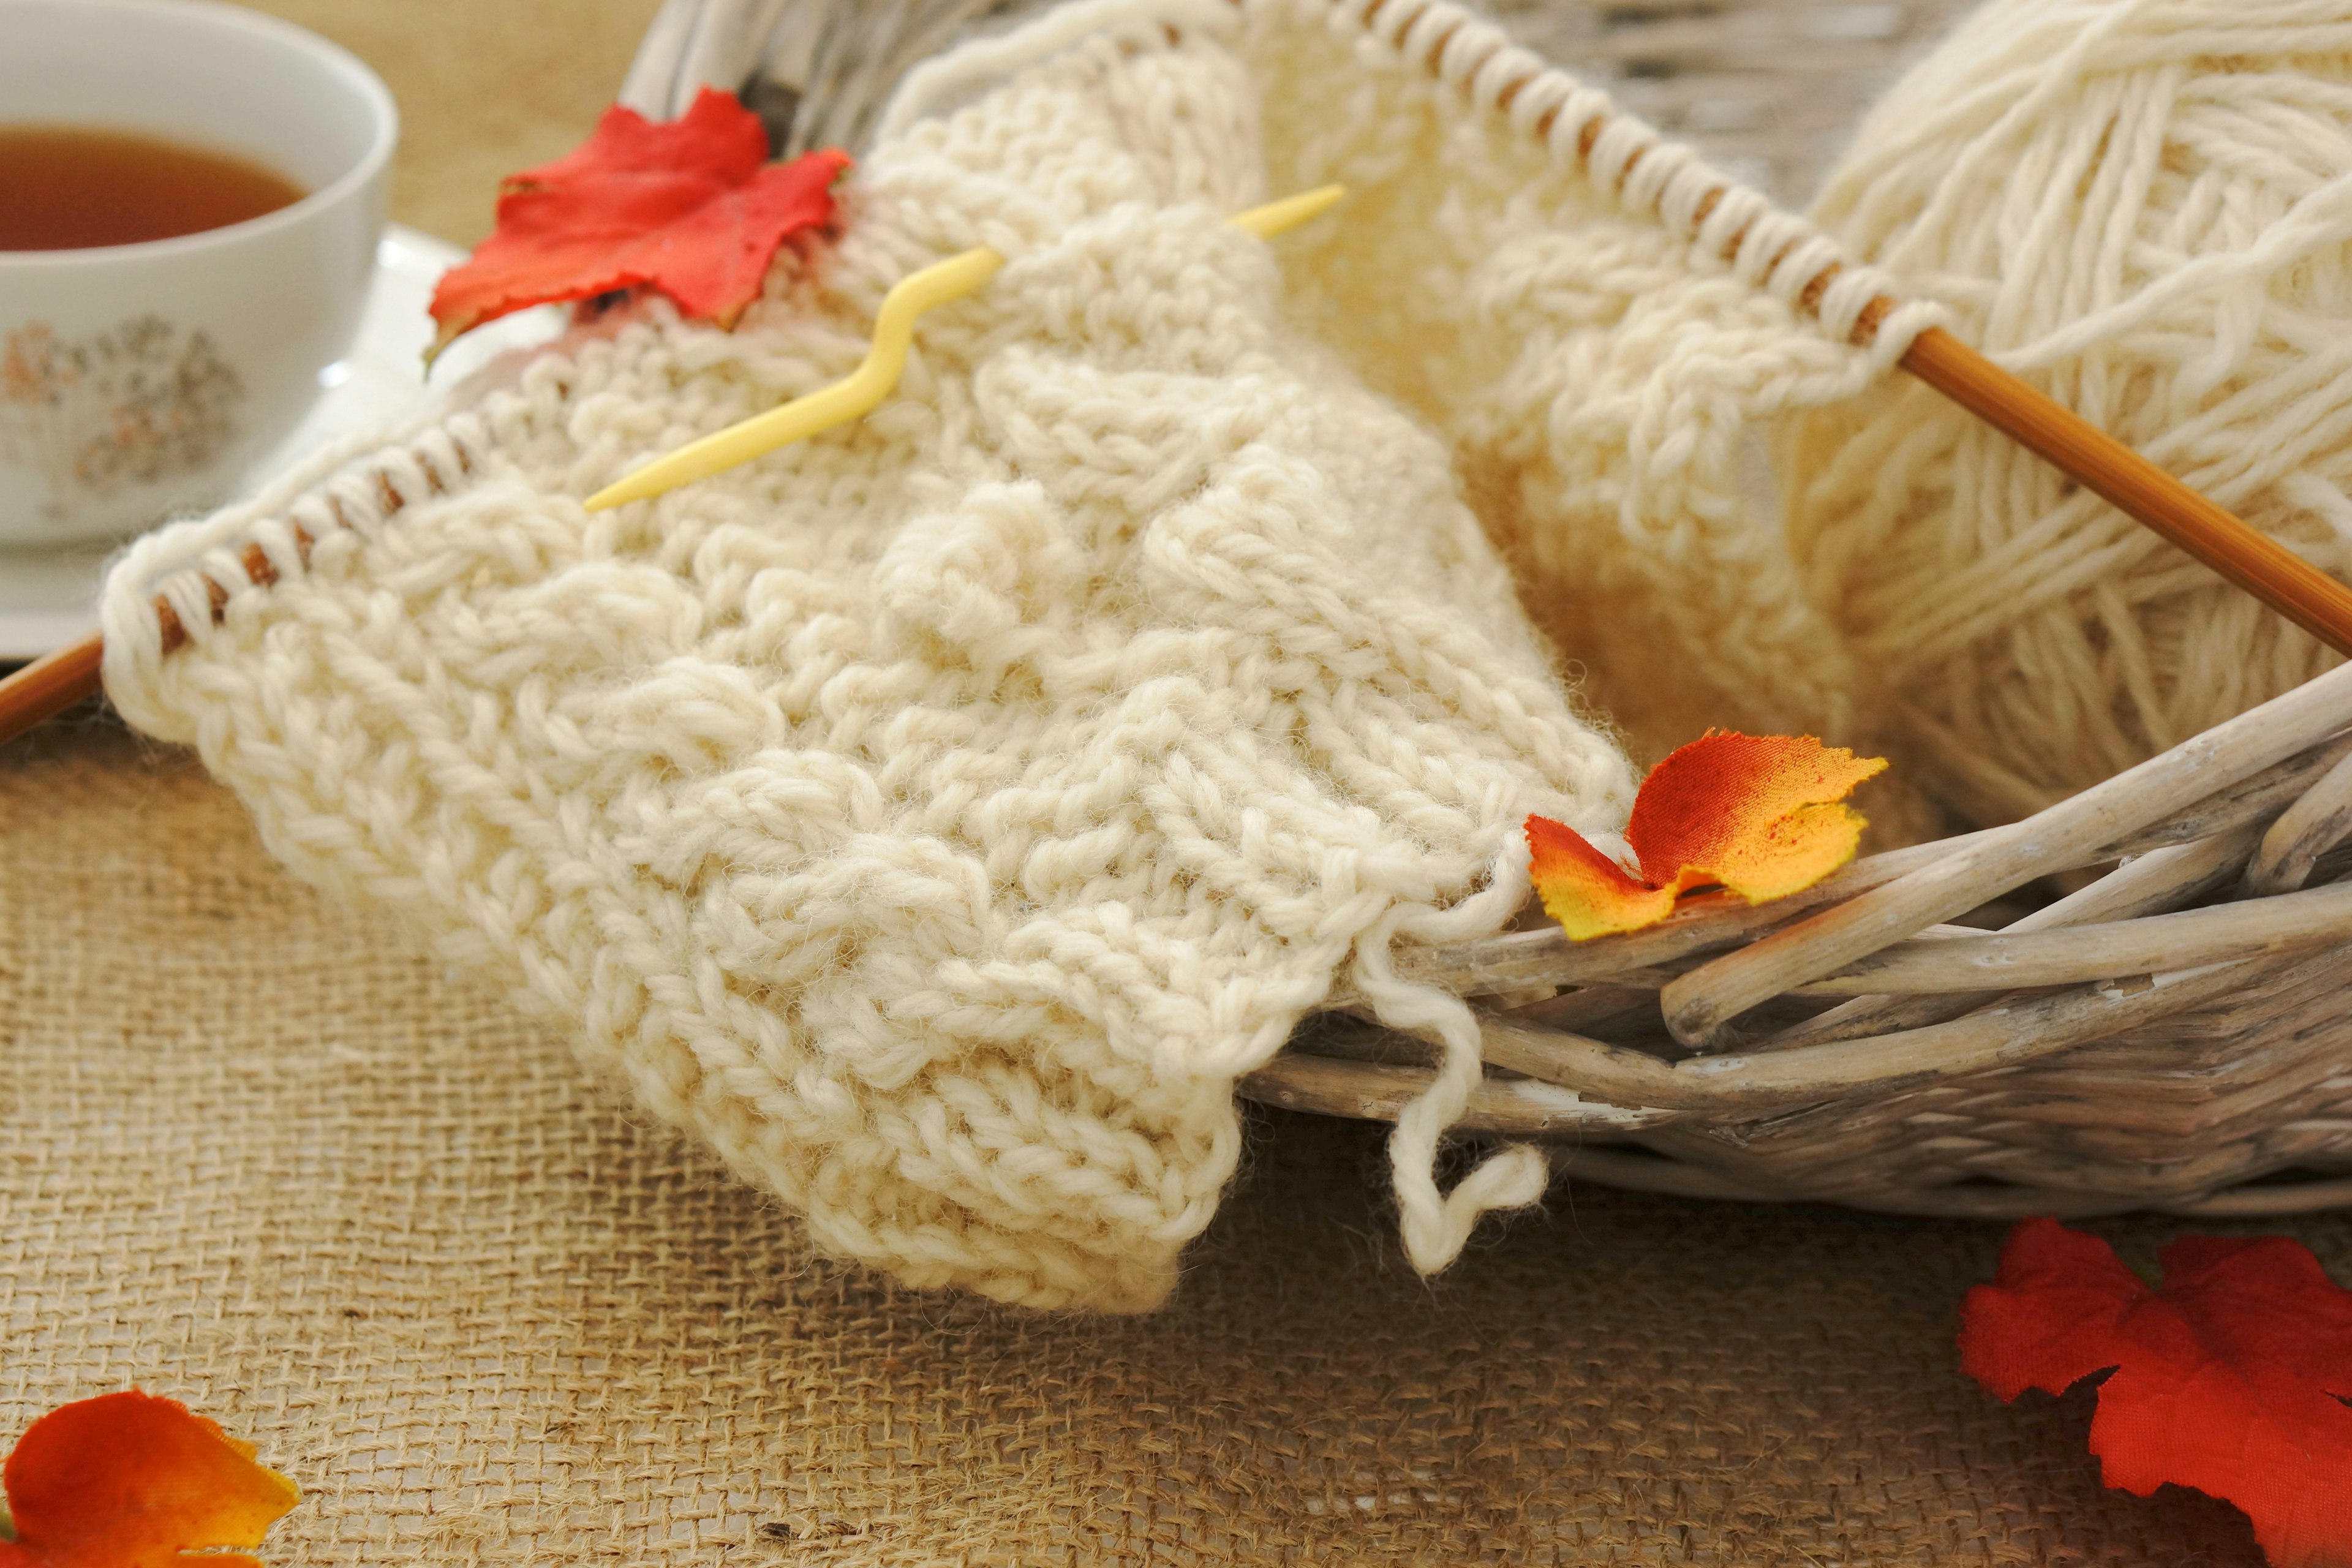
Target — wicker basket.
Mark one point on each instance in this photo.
(2165, 1037)
(2171, 1034)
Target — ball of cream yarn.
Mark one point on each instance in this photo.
(2144, 206)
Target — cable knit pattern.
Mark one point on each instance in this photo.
(1607, 332)
(940, 814)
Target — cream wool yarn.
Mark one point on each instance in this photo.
(938, 815)
(2145, 206)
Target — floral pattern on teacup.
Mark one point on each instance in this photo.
(134, 405)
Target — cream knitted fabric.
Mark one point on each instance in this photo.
(1605, 330)
(940, 814)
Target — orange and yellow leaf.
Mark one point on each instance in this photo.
(131, 1480)
(1760, 814)
(1587, 893)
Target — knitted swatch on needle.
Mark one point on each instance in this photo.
(1610, 336)
(938, 815)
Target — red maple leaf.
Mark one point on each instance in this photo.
(2231, 1379)
(691, 208)
(130, 1480)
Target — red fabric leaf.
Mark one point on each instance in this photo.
(691, 208)
(129, 1480)
(2231, 1379)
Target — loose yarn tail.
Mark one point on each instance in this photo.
(1436, 1224)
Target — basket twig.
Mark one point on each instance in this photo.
(1699, 1004)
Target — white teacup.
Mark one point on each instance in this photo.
(139, 380)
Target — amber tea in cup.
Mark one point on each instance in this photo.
(71, 187)
(189, 196)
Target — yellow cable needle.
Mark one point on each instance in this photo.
(856, 394)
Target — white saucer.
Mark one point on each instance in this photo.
(48, 597)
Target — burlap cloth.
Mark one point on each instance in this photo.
(256, 1155)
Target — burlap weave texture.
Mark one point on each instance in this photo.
(487, 1322)
(255, 1154)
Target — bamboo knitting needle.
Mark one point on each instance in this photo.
(2216, 536)
(2254, 562)
(48, 686)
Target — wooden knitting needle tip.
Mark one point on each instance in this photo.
(2247, 557)
(48, 686)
